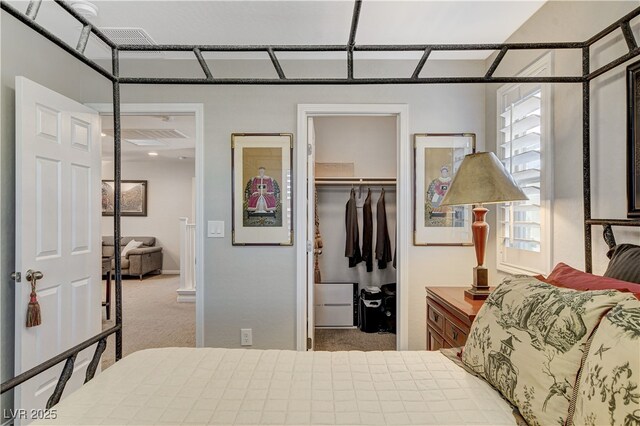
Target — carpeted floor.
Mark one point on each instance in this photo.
(151, 317)
(352, 339)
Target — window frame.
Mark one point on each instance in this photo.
(543, 66)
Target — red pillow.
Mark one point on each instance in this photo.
(565, 276)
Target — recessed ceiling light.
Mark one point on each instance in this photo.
(103, 134)
(84, 8)
(182, 157)
(153, 154)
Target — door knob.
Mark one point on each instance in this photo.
(33, 276)
(16, 276)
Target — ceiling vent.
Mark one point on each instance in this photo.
(148, 134)
(147, 142)
(129, 35)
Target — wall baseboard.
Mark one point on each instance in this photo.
(186, 296)
(183, 298)
(171, 272)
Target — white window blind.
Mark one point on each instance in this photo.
(524, 228)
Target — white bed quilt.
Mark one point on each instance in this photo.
(241, 387)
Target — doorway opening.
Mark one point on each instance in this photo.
(355, 177)
(350, 283)
(160, 175)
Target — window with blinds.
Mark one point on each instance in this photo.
(523, 146)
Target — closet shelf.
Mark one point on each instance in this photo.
(377, 181)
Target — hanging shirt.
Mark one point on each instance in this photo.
(352, 247)
(367, 233)
(383, 243)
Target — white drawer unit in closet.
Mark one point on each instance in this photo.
(335, 304)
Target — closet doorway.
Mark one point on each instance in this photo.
(354, 170)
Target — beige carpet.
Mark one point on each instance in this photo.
(151, 317)
(352, 339)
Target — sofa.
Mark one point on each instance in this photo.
(138, 262)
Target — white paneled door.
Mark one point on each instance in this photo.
(58, 217)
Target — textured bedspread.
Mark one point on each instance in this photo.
(235, 386)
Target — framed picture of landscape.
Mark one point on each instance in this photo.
(133, 197)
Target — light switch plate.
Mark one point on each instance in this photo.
(215, 229)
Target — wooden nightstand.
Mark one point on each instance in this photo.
(449, 317)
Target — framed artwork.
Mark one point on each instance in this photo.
(133, 197)
(436, 159)
(633, 140)
(262, 189)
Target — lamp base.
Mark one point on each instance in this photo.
(480, 289)
(474, 294)
(480, 277)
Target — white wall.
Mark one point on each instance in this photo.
(370, 143)
(567, 21)
(169, 197)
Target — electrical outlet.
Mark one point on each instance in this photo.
(245, 337)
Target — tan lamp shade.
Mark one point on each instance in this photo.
(482, 179)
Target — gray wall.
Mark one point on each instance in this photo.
(566, 21)
(39, 60)
(254, 287)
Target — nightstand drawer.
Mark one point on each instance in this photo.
(436, 317)
(449, 317)
(456, 335)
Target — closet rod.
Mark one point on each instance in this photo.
(356, 181)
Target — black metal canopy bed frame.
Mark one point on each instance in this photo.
(29, 19)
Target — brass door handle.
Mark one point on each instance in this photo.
(435, 317)
(33, 276)
(455, 333)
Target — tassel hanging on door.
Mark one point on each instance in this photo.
(33, 311)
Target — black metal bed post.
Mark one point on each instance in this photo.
(351, 44)
(115, 59)
(586, 157)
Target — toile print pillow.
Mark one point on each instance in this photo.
(528, 340)
(608, 388)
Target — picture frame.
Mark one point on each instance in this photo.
(436, 158)
(262, 189)
(633, 140)
(133, 197)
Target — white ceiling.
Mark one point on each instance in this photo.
(174, 148)
(304, 22)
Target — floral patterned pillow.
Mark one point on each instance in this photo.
(528, 340)
(608, 389)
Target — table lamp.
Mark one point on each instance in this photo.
(481, 179)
